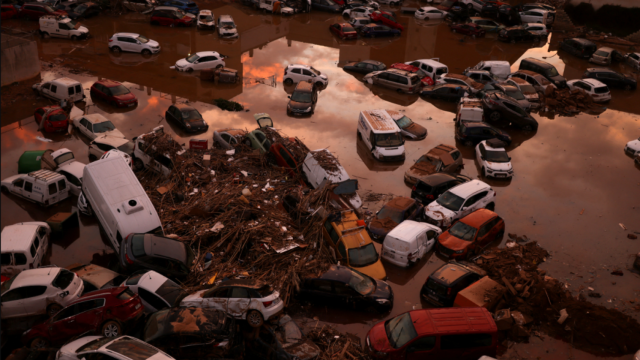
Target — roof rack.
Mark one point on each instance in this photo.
(43, 174)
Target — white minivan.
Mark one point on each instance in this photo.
(409, 242)
(381, 135)
(23, 246)
(432, 67)
(62, 26)
(112, 191)
(44, 187)
(316, 173)
(61, 89)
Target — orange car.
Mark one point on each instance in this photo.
(468, 236)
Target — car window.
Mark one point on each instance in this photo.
(216, 293)
(63, 279)
(342, 249)
(332, 233)
(239, 293)
(19, 259)
(33, 291)
(53, 189)
(152, 299)
(344, 289)
(28, 186)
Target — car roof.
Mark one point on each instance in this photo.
(488, 144)
(600, 70)
(126, 34)
(583, 41)
(409, 229)
(480, 18)
(108, 83)
(517, 27)
(94, 274)
(13, 236)
(66, 81)
(467, 189)
(399, 72)
(291, 66)
(113, 291)
(232, 132)
(450, 85)
(74, 168)
(539, 10)
(206, 12)
(432, 62)
(449, 273)
(183, 106)
(593, 82)
(478, 217)
(452, 321)
(519, 81)
(425, 8)
(166, 8)
(226, 17)
(41, 276)
(151, 280)
(207, 53)
(306, 86)
(400, 203)
(95, 118)
(437, 178)
(337, 273)
(535, 24)
(529, 73)
(165, 247)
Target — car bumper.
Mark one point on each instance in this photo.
(128, 104)
(601, 98)
(629, 151)
(500, 174)
(155, 51)
(391, 158)
(274, 310)
(430, 299)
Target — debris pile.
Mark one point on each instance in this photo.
(534, 301)
(335, 345)
(227, 105)
(569, 102)
(327, 161)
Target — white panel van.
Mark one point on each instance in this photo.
(381, 135)
(409, 242)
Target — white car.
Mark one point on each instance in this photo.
(23, 246)
(200, 60)
(39, 291)
(102, 144)
(538, 29)
(358, 12)
(206, 20)
(132, 42)
(493, 159)
(104, 348)
(534, 16)
(633, 147)
(359, 22)
(598, 90)
(156, 291)
(633, 59)
(458, 202)
(95, 125)
(67, 165)
(227, 27)
(429, 13)
(244, 299)
(432, 67)
(161, 163)
(296, 73)
(115, 152)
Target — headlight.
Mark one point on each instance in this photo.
(382, 301)
(489, 170)
(188, 126)
(308, 109)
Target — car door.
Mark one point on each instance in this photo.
(347, 296)
(27, 190)
(216, 299)
(296, 75)
(13, 303)
(421, 348)
(239, 302)
(33, 300)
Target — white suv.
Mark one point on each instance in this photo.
(200, 60)
(39, 291)
(493, 159)
(296, 73)
(133, 42)
(596, 89)
(633, 147)
(458, 202)
(227, 27)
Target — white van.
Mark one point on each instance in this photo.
(61, 89)
(336, 174)
(111, 190)
(62, 26)
(161, 163)
(432, 67)
(498, 68)
(469, 109)
(381, 135)
(23, 246)
(409, 242)
(44, 187)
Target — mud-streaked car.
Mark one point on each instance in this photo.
(96, 277)
(429, 13)
(596, 89)
(156, 291)
(442, 158)
(493, 159)
(459, 202)
(528, 91)
(205, 20)
(633, 147)
(395, 79)
(408, 128)
(229, 138)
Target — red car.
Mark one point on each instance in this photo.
(8, 12)
(55, 119)
(344, 31)
(470, 235)
(470, 29)
(104, 312)
(34, 11)
(426, 79)
(170, 16)
(114, 93)
(387, 19)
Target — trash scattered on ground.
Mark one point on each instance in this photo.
(335, 345)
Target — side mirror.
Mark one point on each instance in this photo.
(509, 158)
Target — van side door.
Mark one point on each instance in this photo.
(52, 190)
(43, 236)
(421, 348)
(466, 346)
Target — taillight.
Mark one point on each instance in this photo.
(128, 260)
(414, 188)
(31, 266)
(267, 303)
(110, 40)
(429, 196)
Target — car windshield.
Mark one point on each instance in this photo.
(400, 330)
(227, 24)
(450, 201)
(171, 292)
(346, 187)
(72, 24)
(132, 348)
(191, 114)
(63, 279)
(403, 122)
(552, 72)
(348, 29)
(6, 285)
(361, 283)
(388, 140)
(58, 117)
(441, 71)
(301, 96)
(206, 18)
(515, 93)
(142, 39)
(497, 156)
(363, 256)
(463, 231)
(49, 9)
(126, 147)
(602, 53)
(155, 325)
(388, 212)
(103, 126)
(62, 158)
(119, 90)
(193, 58)
(94, 345)
(137, 245)
(80, 9)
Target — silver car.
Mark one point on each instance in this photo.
(395, 79)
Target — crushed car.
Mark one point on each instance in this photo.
(442, 158)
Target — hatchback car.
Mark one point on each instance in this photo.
(133, 42)
(493, 159)
(534, 16)
(633, 60)
(517, 34)
(633, 147)
(472, 132)
(470, 235)
(250, 300)
(200, 61)
(442, 158)
(501, 107)
(39, 291)
(85, 10)
(95, 125)
(147, 251)
(171, 16)
(513, 92)
(295, 73)
(188, 117)
(611, 78)
(346, 287)
(114, 93)
(344, 31)
(538, 81)
(358, 11)
(427, 189)
(102, 144)
(442, 286)
(364, 67)
(538, 29)
(8, 12)
(376, 30)
(596, 89)
(106, 312)
(35, 10)
(458, 202)
(447, 92)
(54, 117)
(359, 22)
(579, 47)
(392, 214)
(429, 13)
(156, 291)
(387, 19)
(398, 80)
(103, 348)
(303, 100)
(426, 79)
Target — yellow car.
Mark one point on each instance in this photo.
(351, 244)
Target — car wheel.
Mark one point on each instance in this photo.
(490, 206)
(39, 343)
(189, 70)
(319, 85)
(111, 329)
(254, 318)
(495, 116)
(44, 34)
(116, 49)
(146, 52)
(468, 143)
(138, 165)
(288, 81)
(53, 309)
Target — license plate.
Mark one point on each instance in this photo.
(501, 175)
(137, 306)
(130, 105)
(389, 255)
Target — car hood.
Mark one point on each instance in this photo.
(500, 166)
(196, 297)
(438, 212)
(10, 179)
(378, 339)
(229, 30)
(451, 242)
(125, 97)
(182, 63)
(376, 271)
(381, 227)
(634, 144)
(153, 43)
(417, 130)
(299, 105)
(421, 169)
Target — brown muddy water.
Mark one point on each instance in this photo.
(572, 188)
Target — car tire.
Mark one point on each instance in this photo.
(138, 165)
(53, 309)
(146, 52)
(39, 343)
(490, 207)
(468, 143)
(255, 319)
(319, 85)
(288, 81)
(111, 329)
(44, 34)
(116, 49)
(499, 235)
(74, 38)
(495, 116)
(189, 70)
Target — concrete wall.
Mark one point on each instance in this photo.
(19, 59)
(599, 3)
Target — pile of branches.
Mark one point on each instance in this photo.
(335, 345)
(327, 161)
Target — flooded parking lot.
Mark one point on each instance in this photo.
(574, 189)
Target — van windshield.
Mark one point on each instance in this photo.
(388, 140)
(463, 231)
(400, 330)
(363, 256)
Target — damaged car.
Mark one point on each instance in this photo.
(470, 235)
(447, 92)
(442, 286)
(392, 214)
(227, 27)
(461, 80)
(188, 117)
(95, 125)
(426, 79)
(442, 158)
(427, 189)
(596, 89)
(527, 90)
(206, 20)
(518, 34)
(104, 348)
(283, 341)
(395, 79)
(458, 202)
(502, 107)
(228, 138)
(155, 290)
(170, 257)
(408, 128)
(611, 78)
(96, 277)
(51, 119)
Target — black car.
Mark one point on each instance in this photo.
(545, 69)
(501, 107)
(517, 34)
(431, 186)
(508, 14)
(579, 47)
(611, 78)
(169, 257)
(344, 286)
(365, 67)
(471, 132)
(448, 92)
(303, 100)
(458, 14)
(187, 117)
(85, 10)
(326, 5)
(444, 284)
(489, 8)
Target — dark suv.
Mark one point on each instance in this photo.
(303, 100)
(545, 69)
(611, 78)
(517, 34)
(501, 107)
(470, 133)
(579, 47)
(444, 284)
(172, 258)
(431, 186)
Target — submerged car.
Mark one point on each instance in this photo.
(364, 67)
(408, 128)
(200, 61)
(427, 189)
(114, 93)
(447, 92)
(442, 286)
(376, 30)
(392, 214)
(188, 117)
(611, 78)
(303, 100)
(96, 277)
(596, 89)
(155, 290)
(206, 20)
(458, 202)
(470, 235)
(633, 147)
(442, 158)
(51, 119)
(502, 107)
(96, 125)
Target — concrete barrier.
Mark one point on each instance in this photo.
(20, 59)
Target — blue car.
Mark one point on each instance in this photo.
(376, 30)
(184, 5)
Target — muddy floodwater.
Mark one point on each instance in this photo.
(573, 191)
